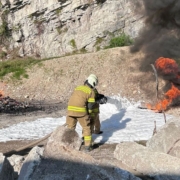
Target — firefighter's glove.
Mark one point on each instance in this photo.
(103, 100)
(99, 98)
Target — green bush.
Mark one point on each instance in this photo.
(16, 68)
(122, 40)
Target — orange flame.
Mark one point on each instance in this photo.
(167, 66)
(170, 95)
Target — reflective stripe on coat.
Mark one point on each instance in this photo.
(77, 105)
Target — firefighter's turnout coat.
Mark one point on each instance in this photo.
(79, 109)
(81, 102)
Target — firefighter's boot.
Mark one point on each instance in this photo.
(88, 148)
(100, 132)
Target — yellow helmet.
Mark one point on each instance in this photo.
(92, 80)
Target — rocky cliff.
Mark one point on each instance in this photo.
(57, 27)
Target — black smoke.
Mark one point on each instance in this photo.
(160, 36)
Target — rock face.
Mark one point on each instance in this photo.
(54, 28)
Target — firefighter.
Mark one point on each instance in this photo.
(79, 109)
(99, 99)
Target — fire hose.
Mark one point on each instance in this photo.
(27, 146)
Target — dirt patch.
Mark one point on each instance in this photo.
(117, 70)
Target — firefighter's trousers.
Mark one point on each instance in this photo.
(84, 121)
(96, 126)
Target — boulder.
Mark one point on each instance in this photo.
(166, 138)
(159, 165)
(16, 162)
(6, 170)
(31, 162)
(62, 138)
(175, 150)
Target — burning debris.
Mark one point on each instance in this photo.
(169, 70)
(160, 38)
(12, 106)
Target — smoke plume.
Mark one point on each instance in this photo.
(161, 35)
